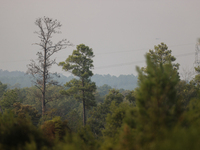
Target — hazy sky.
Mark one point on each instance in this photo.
(120, 32)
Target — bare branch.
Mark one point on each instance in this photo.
(41, 71)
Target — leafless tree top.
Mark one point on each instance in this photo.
(41, 70)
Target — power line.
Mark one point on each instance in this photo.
(14, 61)
(122, 64)
(192, 53)
(141, 49)
(136, 62)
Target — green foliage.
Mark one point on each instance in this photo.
(184, 135)
(32, 97)
(192, 115)
(97, 119)
(86, 135)
(131, 117)
(114, 119)
(65, 106)
(55, 128)
(21, 93)
(126, 139)
(74, 120)
(162, 113)
(98, 97)
(179, 139)
(156, 96)
(186, 91)
(104, 89)
(114, 95)
(162, 55)
(8, 99)
(23, 110)
(83, 140)
(19, 133)
(196, 80)
(3, 88)
(158, 110)
(156, 99)
(131, 97)
(159, 107)
(72, 142)
(76, 89)
(80, 64)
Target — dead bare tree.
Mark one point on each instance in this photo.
(187, 74)
(40, 71)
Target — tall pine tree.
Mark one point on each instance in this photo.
(158, 105)
(80, 64)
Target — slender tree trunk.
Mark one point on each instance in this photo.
(84, 116)
(44, 85)
(43, 104)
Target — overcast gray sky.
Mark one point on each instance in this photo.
(120, 32)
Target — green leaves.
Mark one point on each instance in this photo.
(162, 55)
(114, 95)
(114, 119)
(23, 110)
(156, 98)
(79, 64)
(3, 88)
(18, 133)
(8, 99)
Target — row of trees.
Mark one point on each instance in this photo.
(161, 113)
(156, 115)
(79, 64)
(127, 82)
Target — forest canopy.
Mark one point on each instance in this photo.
(154, 110)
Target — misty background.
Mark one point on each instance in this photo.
(119, 32)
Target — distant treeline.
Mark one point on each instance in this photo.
(20, 79)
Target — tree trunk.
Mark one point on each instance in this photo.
(44, 85)
(84, 117)
(43, 104)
